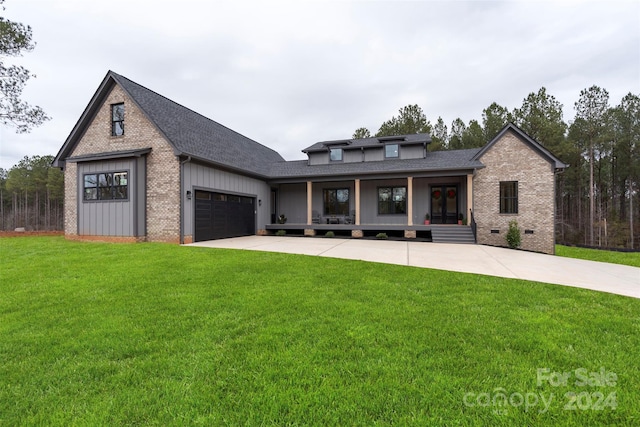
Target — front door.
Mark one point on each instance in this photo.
(444, 204)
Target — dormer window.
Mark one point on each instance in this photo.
(335, 154)
(117, 119)
(391, 151)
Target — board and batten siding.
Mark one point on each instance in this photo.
(115, 218)
(292, 202)
(200, 177)
(411, 152)
(369, 202)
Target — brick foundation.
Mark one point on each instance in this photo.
(105, 239)
(357, 234)
(409, 234)
(309, 232)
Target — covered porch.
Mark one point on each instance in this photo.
(418, 206)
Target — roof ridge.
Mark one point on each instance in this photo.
(188, 109)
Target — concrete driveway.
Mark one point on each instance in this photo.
(480, 259)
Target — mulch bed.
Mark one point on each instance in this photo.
(30, 233)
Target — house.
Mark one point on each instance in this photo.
(140, 167)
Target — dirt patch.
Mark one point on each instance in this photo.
(30, 233)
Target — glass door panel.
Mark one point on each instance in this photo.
(444, 204)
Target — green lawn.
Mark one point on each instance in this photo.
(154, 334)
(626, 258)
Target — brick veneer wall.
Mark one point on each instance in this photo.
(70, 200)
(163, 167)
(511, 159)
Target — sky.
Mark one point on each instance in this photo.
(291, 73)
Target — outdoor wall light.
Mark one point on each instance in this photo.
(259, 202)
(188, 195)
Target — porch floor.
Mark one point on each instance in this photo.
(348, 227)
(437, 233)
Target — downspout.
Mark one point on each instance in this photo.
(556, 172)
(182, 194)
(362, 151)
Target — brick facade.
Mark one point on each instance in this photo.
(511, 159)
(70, 200)
(163, 168)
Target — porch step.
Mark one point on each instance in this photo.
(452, 234)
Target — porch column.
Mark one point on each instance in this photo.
(469, 197)
(309, 202)
(357, 186)
(409, 200)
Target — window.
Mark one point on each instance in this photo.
(392, 200)
(336, 201)
(335, 154)
(391, 151)
(509, 197)
(106, 186)
(117, 119)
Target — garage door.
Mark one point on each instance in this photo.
(219, 216)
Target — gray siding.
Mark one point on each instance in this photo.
(321, 158)
(200, 177)
(113, 217)
(292, 202)
(374, 154)
(352, 156)
(411, 152)
(369, 202)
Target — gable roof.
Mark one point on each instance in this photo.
(189, 133)
(535, 145)
(379, 141)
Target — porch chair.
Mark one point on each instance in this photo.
(351, 218)
(315, 217)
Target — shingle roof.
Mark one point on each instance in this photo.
(195, 135)
(189, 133)
(192, 134)
(417, 138)
(539, 148)
(434, 161)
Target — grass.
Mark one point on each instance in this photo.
(154, 334)
(614, 257)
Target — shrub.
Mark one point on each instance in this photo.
(382, 236)
(281, 232)
(329, 234)
(513, 235)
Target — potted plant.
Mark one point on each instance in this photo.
(460, 218)
(427, 219)
(282, 219)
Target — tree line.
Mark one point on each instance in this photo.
(597, 195)
(32, 195)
